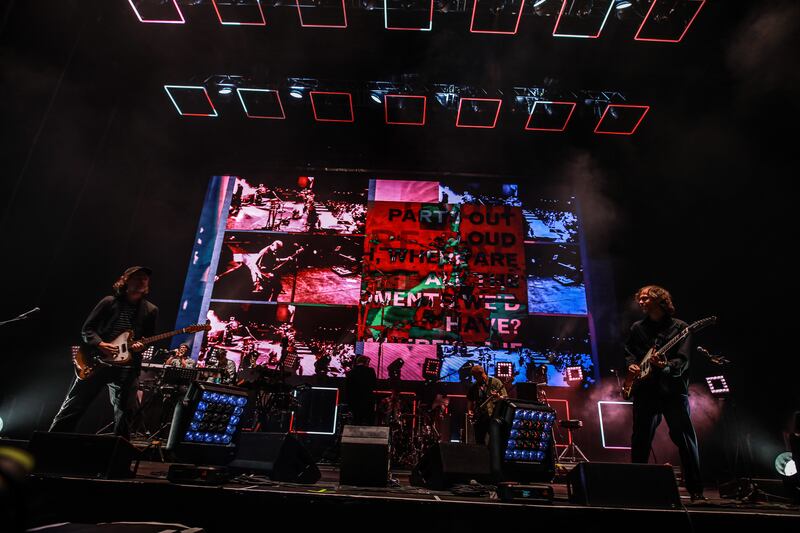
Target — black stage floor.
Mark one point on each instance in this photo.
(257, 504)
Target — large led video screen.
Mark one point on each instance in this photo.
(401, 269)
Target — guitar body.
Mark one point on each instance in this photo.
(86, 359)
(632, 378)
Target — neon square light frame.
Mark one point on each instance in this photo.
(194, 87)
(181, 20)
(496, 115)
(244, 106)
(679, 39)
(335, 416)
(598, 131)
(495, 32)
(231, 23)
(334, 26)
(566, 408)
(386, 109)
(314, 107)
(563, 127)
(602, 431)
(386, 20)
(579, 36)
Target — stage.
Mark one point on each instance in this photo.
(250, 503)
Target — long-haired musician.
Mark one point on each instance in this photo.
(127, 309)
(665, 391)
(481, 399)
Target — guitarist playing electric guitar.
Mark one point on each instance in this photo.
(658, 381)
(126, 310)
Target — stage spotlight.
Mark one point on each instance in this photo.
(785, 465)
(538, 3)
(395, 367)
(431, 369)
(295, 93)
(573, 374)
(521, 446)
(205, 426)
(376, 96)
(718, 385)
(623, 4)
(1, 424)
(504, 370)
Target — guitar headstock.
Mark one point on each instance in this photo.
(197, 327)
(704, 323)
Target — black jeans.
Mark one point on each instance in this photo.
(481, 428)
(648, 409)
(122, 387)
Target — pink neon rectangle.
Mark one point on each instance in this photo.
(495, 32)
(237, 23)
(563, 127)
(679, 39)
(304, 25)
(314, 107)
(597, 129)
(496, 115)
(406, 191)
(386, 109)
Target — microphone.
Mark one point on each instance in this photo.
(716, 359)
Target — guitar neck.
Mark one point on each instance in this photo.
(162, 336)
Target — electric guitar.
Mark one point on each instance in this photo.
(269, 273)
(86, 359)
(646, 367)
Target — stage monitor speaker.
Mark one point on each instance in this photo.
(278, 455)
(365, 456)
(447, 464)
(623, 485)
(75, 454)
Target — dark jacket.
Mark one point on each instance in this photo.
(100, 322)
(360, 384)
(673, 378)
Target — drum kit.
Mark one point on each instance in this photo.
(412, 433)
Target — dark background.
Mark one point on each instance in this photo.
(99, 171)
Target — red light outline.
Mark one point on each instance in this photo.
(224, 23)
(569, 431)
(180, 112)
(685, 30)
(386, 109)
(314, 107)
(496, 115)
(564, 127)
(516, 28)
(597, 127)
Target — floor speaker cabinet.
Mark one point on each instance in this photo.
(451, 463)
(82, 455)
(278, 455)
(623, 485)
(364, 457)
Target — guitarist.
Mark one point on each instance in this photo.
(126, 309)
(665, 391)
(481, 399)
(268, 274)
